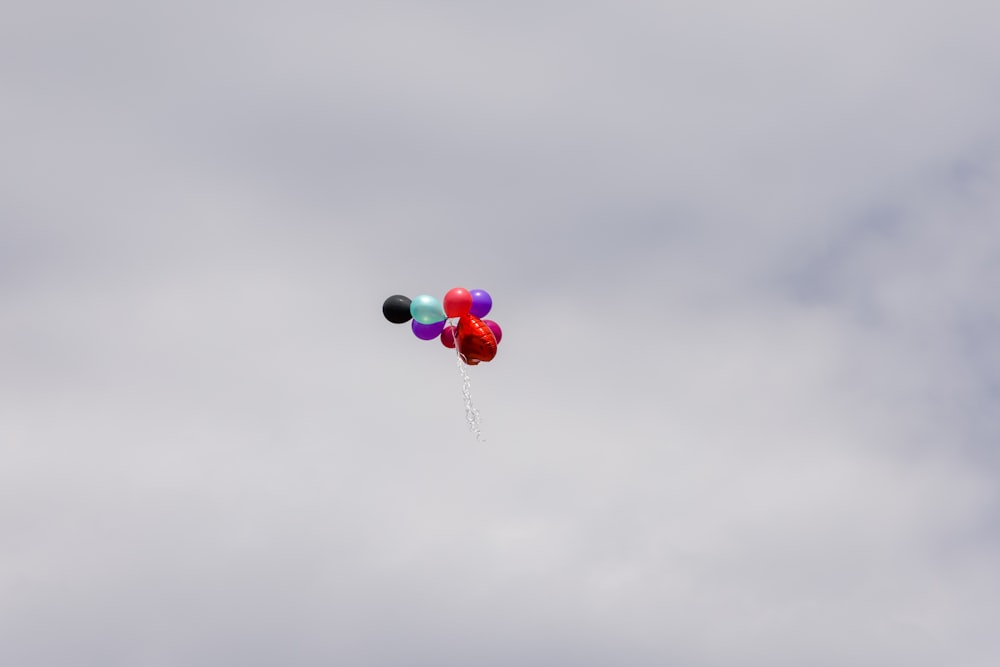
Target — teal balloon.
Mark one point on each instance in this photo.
(427, 310)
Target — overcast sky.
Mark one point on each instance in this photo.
(746, 410)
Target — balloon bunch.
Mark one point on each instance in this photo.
(475, 338)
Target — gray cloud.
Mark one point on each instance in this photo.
(744, 409)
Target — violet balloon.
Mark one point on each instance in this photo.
(426, 331)
(481, 302)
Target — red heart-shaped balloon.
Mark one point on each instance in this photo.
(475, 340)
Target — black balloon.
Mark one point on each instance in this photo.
(397, 309)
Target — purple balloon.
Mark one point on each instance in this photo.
(426, 331)
(481, 302)
(495, 328)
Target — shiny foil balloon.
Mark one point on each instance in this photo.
(475, 340)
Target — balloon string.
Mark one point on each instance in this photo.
(471, 413)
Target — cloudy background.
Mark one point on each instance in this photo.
(747, 406)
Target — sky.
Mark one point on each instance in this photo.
(746, 408)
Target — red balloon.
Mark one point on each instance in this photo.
(475, 340)
(448, 337)
(457, 302)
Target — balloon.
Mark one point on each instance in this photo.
(397, 309)
(495, 328)
(427, 310)
(448, 337)
(457, 302)
(475, 340)
(481, 302)
(427, 331)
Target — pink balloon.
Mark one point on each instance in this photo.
(448, 337)
(495, 328)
